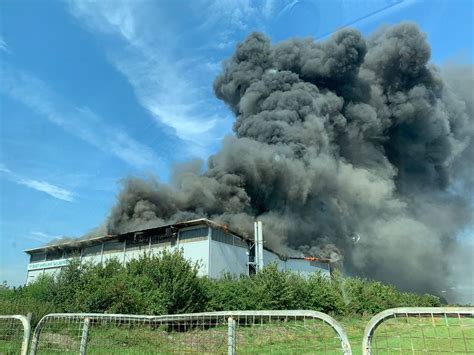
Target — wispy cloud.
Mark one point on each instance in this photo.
(232, 17)
(42, 237)
(38, 185)
(79, 121)
(4, 46)
(165, 84)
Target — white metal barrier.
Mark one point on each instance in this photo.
(399, 330)
(14, 334)
(241, 332)
(414, 330)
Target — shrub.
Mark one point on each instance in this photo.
(230, 293)
(272, 288)
(325, 294)
(34, 298)
(369, 296)
(167, 283)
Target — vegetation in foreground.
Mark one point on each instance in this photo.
(167, 283)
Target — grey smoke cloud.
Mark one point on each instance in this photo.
(347, 136)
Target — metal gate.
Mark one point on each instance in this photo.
(427, 330)
(14, 334)
(241, 332)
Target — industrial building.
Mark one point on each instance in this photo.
(218, 250)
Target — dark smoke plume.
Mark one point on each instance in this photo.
(347, 148)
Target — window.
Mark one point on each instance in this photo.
(113, 247)
(197, 233)
(140, 243)
(37, 257)
(159, 241)
(240, 243)
(54, 255)
(92, 250)
(220, 236)
(72, 253)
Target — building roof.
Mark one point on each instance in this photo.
(80, 242)
(74, 243)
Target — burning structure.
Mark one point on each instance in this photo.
(218, 250)
(351, 148)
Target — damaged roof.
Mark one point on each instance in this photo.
(80, 242)
(74, 243)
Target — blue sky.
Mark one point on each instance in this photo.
(92, 92)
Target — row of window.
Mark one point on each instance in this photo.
(54, 255)
(138, 243)
(194, 233)
(220, 235)
(141, 243)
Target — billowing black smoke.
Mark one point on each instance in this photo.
(347, 148)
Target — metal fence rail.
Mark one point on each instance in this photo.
(280, 332)
(427, 330)
(289, 332)
(96, 333)
(14, 334)
(241, 332)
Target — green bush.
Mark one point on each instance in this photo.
(152, 284)
(272, 289)
(325, 294)
(369, 297)
(167, 283)
(34, 298)
(230, 293)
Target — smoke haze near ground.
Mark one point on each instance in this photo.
(352, 148)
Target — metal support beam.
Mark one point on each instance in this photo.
(258, 235)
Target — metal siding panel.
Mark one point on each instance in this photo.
(227, 258)
(134, 254)
(92, 258)
(269, 257)
(33, 275)
(118, 255)
(197, 251)
(52, 271)
(304, 266)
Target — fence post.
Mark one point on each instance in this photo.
(34, 341)
(231, 336)
(26, 335)
(85, 334)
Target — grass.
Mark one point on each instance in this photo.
(11, 333)
(412, 335)
(432, 335)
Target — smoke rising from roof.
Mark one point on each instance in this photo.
(347, 136)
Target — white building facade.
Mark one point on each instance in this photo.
(218, 251)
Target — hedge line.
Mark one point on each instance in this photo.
(167, 283)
